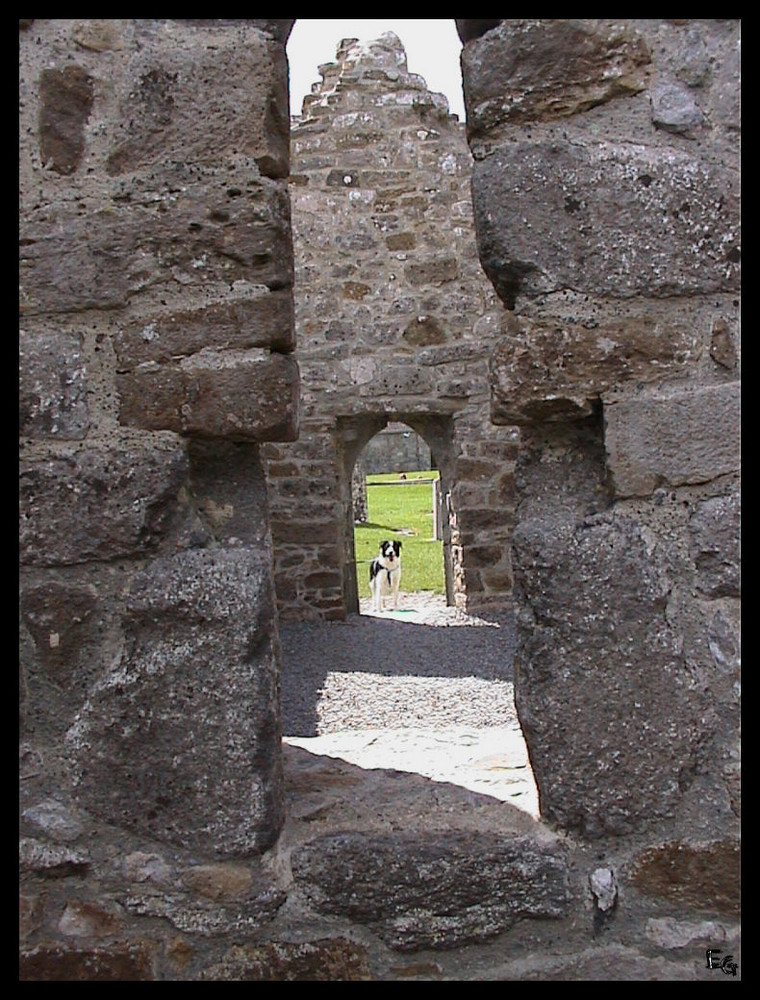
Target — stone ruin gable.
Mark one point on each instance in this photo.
(606, 191)
(156, 341)
(395, 321)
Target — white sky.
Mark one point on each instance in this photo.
(432, 51)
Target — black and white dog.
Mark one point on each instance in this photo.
(385, 574)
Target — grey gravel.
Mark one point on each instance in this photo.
(426, 665)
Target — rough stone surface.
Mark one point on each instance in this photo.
(65, 105)
(98, 502)
(223, 69)
(60, 619)
(556, 371)
(156, 238)
(53, 386)
(672, 438)
(646, 719)
(132, 962)
(625, 220)
(156, 279)
(237, 227)
(527, 69)
(704, 876)
(716, 538)
(232, 394)
(255, 317)
(193, 650)
(439, 893)
(330, 960)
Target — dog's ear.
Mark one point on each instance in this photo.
(382, 545)
(398, 545)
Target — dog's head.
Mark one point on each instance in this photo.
(390, 553)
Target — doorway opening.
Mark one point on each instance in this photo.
(396, 495)
(384, 498)
(427, 689)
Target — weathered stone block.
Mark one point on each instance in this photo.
(600, 679)
(194, 913)
(394, 380)
(722, 346)
(253, 317)
(673, 438)
(219, 881)
(355, 290)
(98, 503)
(401, 241)
(326, 960)
(229, 490)
(715, 531)
(434, 271)
(704, 876)
(66, 97)
(616, 220)
(279, 27)
(30, 911)
(53, 819)
(52, 385)
(51, 860)
(90, 919)
(240, 395)
(97, 34)
(183, 98)
(180, 739)
(549, 68)
(57, 615)
(435, 891)
(225, 228)
(557, 370)
(129, 962)
(674, 108)
(293, 531)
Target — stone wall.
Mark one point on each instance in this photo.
(161, 839)
(395, 321)
(156, 340)
(396, 449)
(606, 194)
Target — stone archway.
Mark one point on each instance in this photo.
(353, 434)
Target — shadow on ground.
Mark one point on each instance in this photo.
(385, 647)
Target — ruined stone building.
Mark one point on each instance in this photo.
(395, 321)
(217, 313)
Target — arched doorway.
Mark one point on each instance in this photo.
(396, 497)
(429, 438)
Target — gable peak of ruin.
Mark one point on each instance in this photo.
(368, 74)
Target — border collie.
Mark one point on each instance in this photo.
(385, 574)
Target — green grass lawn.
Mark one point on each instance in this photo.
(404, 514)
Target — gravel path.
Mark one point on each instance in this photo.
(426, 689)
(423, 665)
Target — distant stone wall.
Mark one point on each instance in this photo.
(396, 449)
